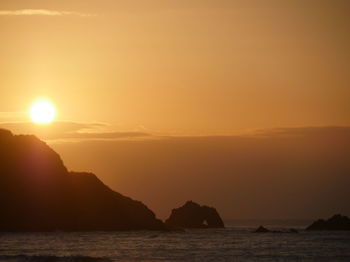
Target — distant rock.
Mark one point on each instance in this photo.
(38, 193)
(336, 222)
(192, 215)
(262, 229)
(293, 230)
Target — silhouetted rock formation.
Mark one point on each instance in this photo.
(262, 229)
(293, 230)
(192, 215)
(336, 222)
(37, 193)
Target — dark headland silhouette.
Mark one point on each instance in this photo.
(192, 215)
(38, 193)
(336, 222)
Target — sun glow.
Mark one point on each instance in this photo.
(42, 112)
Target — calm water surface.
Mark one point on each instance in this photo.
(231, 244)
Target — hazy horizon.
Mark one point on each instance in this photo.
(286, 173)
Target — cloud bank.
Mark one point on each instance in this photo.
(42, 12)
(71, 131)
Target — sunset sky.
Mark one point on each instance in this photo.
(219, 101)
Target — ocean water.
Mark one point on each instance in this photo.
(234, 243)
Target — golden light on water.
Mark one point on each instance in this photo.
(42, 112)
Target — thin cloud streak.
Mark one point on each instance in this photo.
(42, 12)
(69, 131)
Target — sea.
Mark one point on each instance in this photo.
(236, 242)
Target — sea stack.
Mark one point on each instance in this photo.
(193, 215)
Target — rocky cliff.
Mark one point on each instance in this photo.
(38, 193)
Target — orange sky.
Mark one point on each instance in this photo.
(180, 66)
(130, 70)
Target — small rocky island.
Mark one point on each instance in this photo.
(193, 215)
(262, 229)
(336, 222)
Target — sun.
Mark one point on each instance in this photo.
(42, 112)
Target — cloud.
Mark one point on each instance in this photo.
(42, 12)
(303, 131)
(105, 135)
(69, 131)
(56, 127)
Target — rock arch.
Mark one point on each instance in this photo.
(192, 215)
